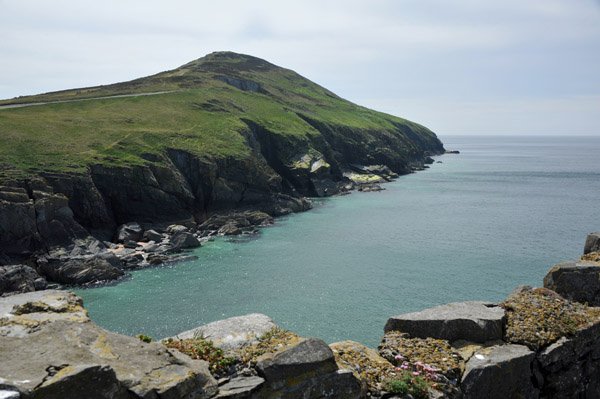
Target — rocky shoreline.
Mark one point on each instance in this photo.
(538, 343)
(59, 229)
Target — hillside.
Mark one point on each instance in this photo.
(224, 132)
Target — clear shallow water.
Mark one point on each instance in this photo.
(474, 227)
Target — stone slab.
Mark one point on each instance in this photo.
(473, 321)
(234, 332)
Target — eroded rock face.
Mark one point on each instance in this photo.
(50, 348)
(20, 278)
(499, 372)
(569, 368)
(471, 321)
(577, 281)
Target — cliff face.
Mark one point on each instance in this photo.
(225, 132)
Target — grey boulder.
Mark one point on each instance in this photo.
(234, 332)
(305, 369)
(131, 231)
(499, 372)
(577, 281)
(592, 243)
(152, 235)
(471, 321)
(184, 240)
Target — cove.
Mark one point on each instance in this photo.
(474, 227)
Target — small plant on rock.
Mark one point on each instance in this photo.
(415, 379)
(144, 338)
(203, 350)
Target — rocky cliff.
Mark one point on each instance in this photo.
(224, 133)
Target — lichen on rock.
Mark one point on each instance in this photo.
(540, 317)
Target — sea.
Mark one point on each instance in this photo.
(471, 227)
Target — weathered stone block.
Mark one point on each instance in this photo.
(232, 333)
(592, 243)
(577, 281)
(499, 372)
(240, 387)
(309, 355)
(470, 321)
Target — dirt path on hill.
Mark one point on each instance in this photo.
(86, 99)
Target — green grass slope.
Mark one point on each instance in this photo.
(204, 107)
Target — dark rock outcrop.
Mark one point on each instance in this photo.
(131, 231)
(306, 369)
(569, 368)
(20, 278)
(499, 372)
(592, 243)
(78, 270)
(578, 281)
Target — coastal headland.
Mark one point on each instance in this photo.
(99, 180)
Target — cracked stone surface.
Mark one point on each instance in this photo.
(49, 347)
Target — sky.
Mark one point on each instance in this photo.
(459, 67)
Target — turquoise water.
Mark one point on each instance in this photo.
(474, 227)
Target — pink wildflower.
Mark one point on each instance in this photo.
(399, 357)
(415, 373)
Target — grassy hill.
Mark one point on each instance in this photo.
(204, 107)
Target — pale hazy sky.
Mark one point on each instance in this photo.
(456, 66)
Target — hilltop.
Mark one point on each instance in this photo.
(226, 132)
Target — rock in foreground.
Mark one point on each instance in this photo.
(470, 321)
(49, 348)
(232, 333)
(578, 281)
